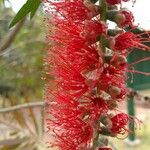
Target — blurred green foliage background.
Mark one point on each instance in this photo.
(21, 70)
(21, 63)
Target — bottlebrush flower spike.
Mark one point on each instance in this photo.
(72, 55)
(69, 79)
(128, 40)
(86, 85)
(67, 127)
(86, 32)
(75, 10)
(119, 122)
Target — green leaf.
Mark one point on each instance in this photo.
(35, 6)
(20, 15)
(30, 6)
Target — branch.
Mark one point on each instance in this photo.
(135, 95)
(21, 106)
(10, 142)
(8, 40)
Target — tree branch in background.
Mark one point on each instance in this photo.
(11, 141)
(21, 106)
(8, 40)
(138, 96)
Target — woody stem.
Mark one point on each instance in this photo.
(103, 10)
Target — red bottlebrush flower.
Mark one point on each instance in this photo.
(97, 107)
(81, 74)
(112, 76)
(125, 18)
(83, 58)
(127, 40)
(119, 122)
(74, 10)
(129, 19)
(66, 124)
(74, 42)
(92, 28)
(69, 79)
(85, 32)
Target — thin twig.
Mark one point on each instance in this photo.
(20, 46)
(8, 40)
(137, 95)
(11, 141)
(21, 106)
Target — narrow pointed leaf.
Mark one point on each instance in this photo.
(34, 8)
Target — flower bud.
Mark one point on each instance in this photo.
(119, 121)
(112, 104)
(105, 120)
(118, 60)
(124, 18)
(111, 43)
(114, 91)
(120, 18)
(92, 8)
